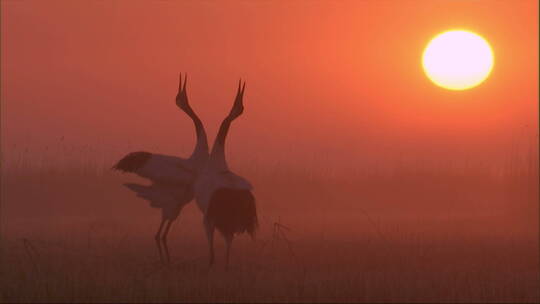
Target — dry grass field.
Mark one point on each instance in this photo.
(449, 234)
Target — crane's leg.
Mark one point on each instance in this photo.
(158, 240)
(164, 238)
(209, 227)
(228, 242)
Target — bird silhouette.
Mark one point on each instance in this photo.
(224, 197)
(172, 177)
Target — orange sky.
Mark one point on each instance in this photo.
(341, 79)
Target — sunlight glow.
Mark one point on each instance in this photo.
(457, 60)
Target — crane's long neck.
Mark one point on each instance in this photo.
(201, 147)
(217, 157)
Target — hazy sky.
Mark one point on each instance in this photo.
(341, 79)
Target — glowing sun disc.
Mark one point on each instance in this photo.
(457, 60)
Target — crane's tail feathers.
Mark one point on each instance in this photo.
(132, 161)
(233, 211)
(146, 192)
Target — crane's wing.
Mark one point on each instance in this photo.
(157, 167)
(228, 179)
(207, 184)
(157, 199)
(163, 196)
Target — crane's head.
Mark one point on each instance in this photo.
(181, 97)
(238, 106)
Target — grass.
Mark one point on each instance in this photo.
(448, 233)
(404, 269)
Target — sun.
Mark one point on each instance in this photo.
(458, 60)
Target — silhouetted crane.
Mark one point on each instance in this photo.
(224, 197)
(172, 177)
